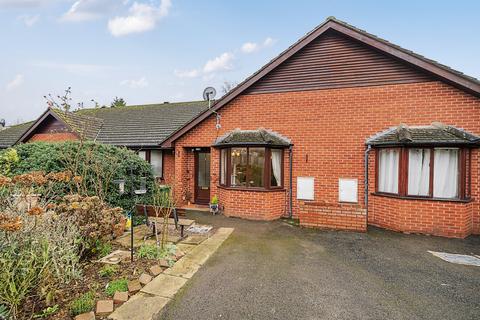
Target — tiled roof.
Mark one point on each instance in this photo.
(10, 135)
(131, 126)
(252, 137)
(85, 126)
(143, 125)
(435, 134)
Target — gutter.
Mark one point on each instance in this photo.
(367, 151)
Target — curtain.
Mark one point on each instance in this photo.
(445, 175)
(388, 170)
(277, 167)
(157, 162)
(223, 166)
(418, 172)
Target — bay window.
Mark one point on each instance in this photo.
(424, 172)
(251, 167)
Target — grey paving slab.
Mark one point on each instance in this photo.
(140, 307)
(185, 268)
(164, 285)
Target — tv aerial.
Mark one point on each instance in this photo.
(209, 94)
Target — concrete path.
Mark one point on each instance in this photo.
(270, 270)
(157, 293)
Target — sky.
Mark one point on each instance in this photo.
(151, 51)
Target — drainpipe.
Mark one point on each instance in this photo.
(367, 151)
(290, 185)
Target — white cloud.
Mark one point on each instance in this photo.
(16, 82)
(268, 42)
(29, 20)
(135, 83)
(186, 73)
(85, 10)
(141, 18)
(222, 62)
(250, 47)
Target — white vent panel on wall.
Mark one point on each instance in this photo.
(348, 190)
(305, 188)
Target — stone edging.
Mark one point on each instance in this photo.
(156, 294)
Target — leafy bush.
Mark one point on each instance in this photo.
(98, 165)
(116, 285)
(154, 252)
(108, 270)
(47, 312)
(3, 312)
(23, 264)
(84, 303)
(102, 248)
(95, 220)
(8, 160)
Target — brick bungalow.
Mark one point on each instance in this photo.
(341, 130)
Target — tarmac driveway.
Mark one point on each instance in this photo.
(271, 270)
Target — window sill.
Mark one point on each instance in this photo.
(251, 189)
(396, 196)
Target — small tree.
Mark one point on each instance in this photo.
(118, 102)
(164, 204)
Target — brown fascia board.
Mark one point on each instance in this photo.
(450, 76)
(37, 122)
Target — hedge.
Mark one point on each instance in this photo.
(92, 159)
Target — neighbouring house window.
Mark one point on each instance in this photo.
(251, 167)
(223, 166)
(156, 160)
(445, 173)
(418, 172)
(388, 170)
(441, 173)
(142, 154)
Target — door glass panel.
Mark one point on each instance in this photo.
(203, 170)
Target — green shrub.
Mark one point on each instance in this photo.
(84, 303)
(102, 248)
(3, 312)
(23, 263)
(47, 312)
(149, 251)
(116, 285)
(108, 270)
(8, 160)
(88, 160)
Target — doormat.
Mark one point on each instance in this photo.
(458, 258)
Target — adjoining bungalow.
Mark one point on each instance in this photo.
(139, 128)
(341, 130)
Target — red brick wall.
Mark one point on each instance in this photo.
(253, 205)
(53, 137)
(168, 167)
(335, 216)
(329, 127)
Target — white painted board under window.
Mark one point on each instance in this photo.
(305, 188)
(156, 160)
(348, 190)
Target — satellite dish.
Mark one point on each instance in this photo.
(209, 93)
(2, 123)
